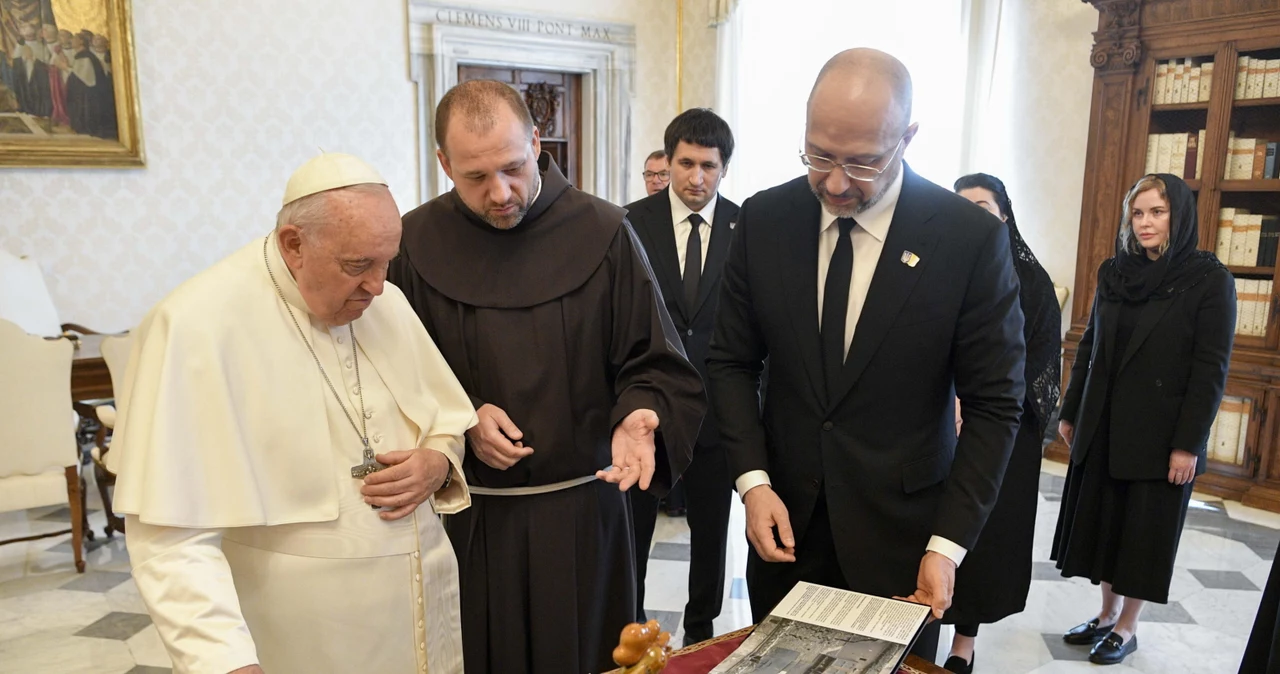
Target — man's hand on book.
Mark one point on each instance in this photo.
(935, 583)
(764, 512)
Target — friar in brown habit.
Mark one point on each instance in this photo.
(543, 303)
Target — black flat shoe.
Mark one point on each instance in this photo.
(1087, 633)
(957, 665)
(1112, 649)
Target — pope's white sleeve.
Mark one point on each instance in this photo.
(185, 581)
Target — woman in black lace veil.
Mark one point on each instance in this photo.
(996, 575)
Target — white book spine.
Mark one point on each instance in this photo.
(1256, 78)
(1164, 157)
(1271, 80)
(1242, 158)
(1206, 81)
(1239, 238)
(1245, 412)
(1153, 152)
(1200, 153)
(1178, 157)
(1242, 77)
(1228, 437)
(1162, 83)
(1211, 445)
(1223, 247)
(1255, 307)
(1253, 239)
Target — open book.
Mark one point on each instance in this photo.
(822, 629)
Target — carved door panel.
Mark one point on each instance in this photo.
(555, 99)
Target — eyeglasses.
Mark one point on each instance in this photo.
(854, 171)
(650, 175)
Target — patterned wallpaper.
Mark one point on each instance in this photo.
(235, 95)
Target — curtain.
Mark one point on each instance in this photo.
(720, 11)
(981, 27)
(767, 60)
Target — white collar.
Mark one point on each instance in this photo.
(680, 212)
(283, 275)
(875, 220)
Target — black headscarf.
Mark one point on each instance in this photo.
(1133, 277)
(1042, 316)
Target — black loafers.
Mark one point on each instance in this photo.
(957, 665)
(1112, 649)
(1087, 633)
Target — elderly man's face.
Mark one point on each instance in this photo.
(28, 32)
(50, 34)
(100, 43)
(64, 38)
(341, 265)
(494, 171)
(854, 121)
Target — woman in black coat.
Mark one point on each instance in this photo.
(996, 575)
(1145, 388)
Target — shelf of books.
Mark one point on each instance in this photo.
(1200, 101)
(1230, 443)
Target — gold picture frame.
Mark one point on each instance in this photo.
(38, 131)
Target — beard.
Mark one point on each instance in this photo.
(522, 209)
(856, 208)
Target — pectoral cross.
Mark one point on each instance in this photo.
(368, 467)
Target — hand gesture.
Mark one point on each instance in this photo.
(413, 476)
(495, 440)
(1182, 467)
(1067, 431)
(764, 512)
(633, 451)
(935, 583)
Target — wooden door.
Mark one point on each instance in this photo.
(555, 99)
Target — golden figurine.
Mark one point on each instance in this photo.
(642, 649)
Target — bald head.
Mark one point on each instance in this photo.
(478, 105)
(859, 116)
(869, 79)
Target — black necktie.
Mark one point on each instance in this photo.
(693, 262)
(835, 306)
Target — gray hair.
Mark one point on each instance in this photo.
(312, 212)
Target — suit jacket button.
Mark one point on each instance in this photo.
(1159, 383)
(690, 332)
(816, 483)
(827, 425)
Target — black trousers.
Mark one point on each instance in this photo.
(644, 515)
(816, 563)
(708, 496)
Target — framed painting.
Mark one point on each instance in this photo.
(68, 85)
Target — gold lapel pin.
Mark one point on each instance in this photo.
(909, 258)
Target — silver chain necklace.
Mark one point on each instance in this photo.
(369, 464)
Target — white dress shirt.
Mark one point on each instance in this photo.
(868, 242)
(680, 220)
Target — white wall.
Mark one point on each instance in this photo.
(235, 95)
(1038, 122)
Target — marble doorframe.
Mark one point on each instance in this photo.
(441, 37)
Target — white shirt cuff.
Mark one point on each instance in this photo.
(750, 480)
(945, 548)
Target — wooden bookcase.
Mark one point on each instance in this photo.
(1133, 37)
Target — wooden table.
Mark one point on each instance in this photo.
(90, 379)
(912, 665)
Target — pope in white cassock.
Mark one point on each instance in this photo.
(285, 418)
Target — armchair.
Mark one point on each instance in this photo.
(39, 462)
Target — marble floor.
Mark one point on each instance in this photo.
(53, 620)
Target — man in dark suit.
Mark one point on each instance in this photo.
(685, 230)
(877, 296)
